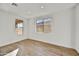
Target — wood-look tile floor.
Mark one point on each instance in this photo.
(30, 47)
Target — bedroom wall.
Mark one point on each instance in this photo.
(77, 27)
(7, 28)
(61, 29)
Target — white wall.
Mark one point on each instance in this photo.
(61, 29)
(77, 27)
(7, 28)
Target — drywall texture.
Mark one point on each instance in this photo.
(65, 29)
(77, 27)
(61, 29)
(7, 28)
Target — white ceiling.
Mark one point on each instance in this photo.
(34, 9)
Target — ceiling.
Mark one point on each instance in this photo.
(34, 9)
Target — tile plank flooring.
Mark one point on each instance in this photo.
(30, 47)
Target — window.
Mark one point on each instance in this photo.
(19, 26)
(43, 24)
